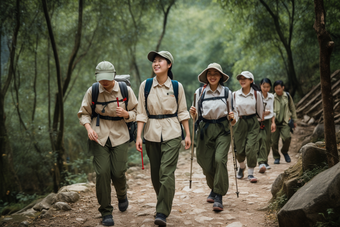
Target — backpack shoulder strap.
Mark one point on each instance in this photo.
(175, 87)
(287, 93)
(147, 88)
(95, 93)
(124, 91)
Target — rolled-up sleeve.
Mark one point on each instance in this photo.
(132, 106)
(141, 112)
(85, 110)
(183, 113)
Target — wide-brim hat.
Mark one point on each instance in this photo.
(105, 71)
(246, 74)
(164, 54)
(202, 77)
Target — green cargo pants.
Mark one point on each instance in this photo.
(245, 133)
(284, 132)
(212, 155)
(264, 139)
(163, 158)
(109, 164)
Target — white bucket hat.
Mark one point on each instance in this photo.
(202, 77)
(246, 74)
(105, 71)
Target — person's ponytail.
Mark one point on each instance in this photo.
(170, 74)
(255, 87)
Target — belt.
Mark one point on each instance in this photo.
(162, 116)
(245, 117)
(107, 118)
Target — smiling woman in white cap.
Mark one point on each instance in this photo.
(248, 106)
(162, 106)
(105, 123)
(213, 135)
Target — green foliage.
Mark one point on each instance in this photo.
(309, 174)
(278, 202)
(22, 200)
(331, 219)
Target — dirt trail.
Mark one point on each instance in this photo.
(189, 206)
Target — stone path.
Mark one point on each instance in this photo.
(189, 206)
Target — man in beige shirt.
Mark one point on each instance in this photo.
(109, 137)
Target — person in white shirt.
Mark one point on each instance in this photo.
(267, 126)
(213, 135)
(248, 106)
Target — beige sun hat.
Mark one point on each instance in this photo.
(202, 77)
(163, 53)
(105, 71)
(246, 74)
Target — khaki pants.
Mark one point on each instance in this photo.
(245, 133)
(212, 155)
(109, 164)
(163, 158)
(264, 139)
(284, 132)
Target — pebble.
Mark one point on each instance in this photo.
(229, 217)
(148, 220)
(235, 224)
(197, 211)
(201, 219)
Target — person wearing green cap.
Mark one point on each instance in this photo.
(162, 113)
(248, 107)
(213, 134)
(108, 137)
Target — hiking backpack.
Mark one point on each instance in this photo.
(147, 88)
(123, 82)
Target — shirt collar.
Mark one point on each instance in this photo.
(115, 88)
(166, 84)
(219, 89)
(251, 92)
(268, 96)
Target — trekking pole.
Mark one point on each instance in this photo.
(141, 153)
(264, 110)
(192, 142)
(232, 149)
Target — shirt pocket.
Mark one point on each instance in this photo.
(169, 103)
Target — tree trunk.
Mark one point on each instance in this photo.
(326, 47)
(8, 178)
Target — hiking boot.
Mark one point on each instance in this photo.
(123, 204)
(107, 220)
(240, 173)
(277, 161)
(160, 219)
(262, 168)
(211, 197)
(267, 166)
(252, 179)
(287, 158)
(218, 206)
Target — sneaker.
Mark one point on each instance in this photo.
(267, 166)
(218, 206)
(123, 204)
(287, 158)
(240, 173)
(160, 219)
(211, 197)
(277, 161)
(107, 220)
(252, 179)
(262, 168)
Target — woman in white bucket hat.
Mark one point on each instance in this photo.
(248, 106)
(213, 135)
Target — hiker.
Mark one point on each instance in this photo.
(162, 106)
(285, 118)
(213, 135)
(267, 126)
(108, 137)
(248, 107)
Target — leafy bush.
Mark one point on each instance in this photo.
(331, 219)
(309, 174)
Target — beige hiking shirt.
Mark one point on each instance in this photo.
(214, 109)
(161, 100)
(270, 103)
(116, 131)
(284, 113)
(246, 104)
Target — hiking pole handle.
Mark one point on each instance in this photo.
(192, 142)
(117, 101)
(141, 153)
